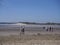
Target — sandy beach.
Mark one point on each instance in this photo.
(33, 35)
(30, 40)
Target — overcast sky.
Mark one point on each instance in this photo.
(30, 11)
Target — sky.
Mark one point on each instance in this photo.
(30, 11)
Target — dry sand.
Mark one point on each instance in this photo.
(38, 39)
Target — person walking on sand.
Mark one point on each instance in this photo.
(22, 30)
(46, 28)
(43, 27)
(50, 29)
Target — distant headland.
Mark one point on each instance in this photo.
(34, 23)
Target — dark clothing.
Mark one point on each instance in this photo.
(50, 29)
(43, 27)
(46, 29)
(22, 30)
